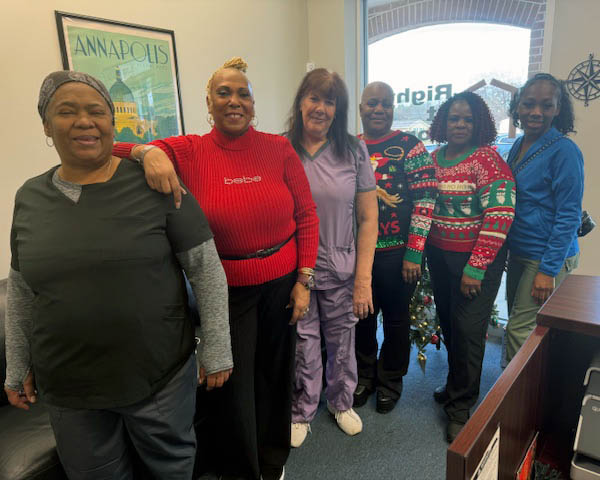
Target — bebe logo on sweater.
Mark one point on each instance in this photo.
(240, 180)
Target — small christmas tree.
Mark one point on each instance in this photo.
(425, 325)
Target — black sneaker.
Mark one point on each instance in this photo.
(385, 403)
(361, 395)
(440, 394)
(453, 429)
(272, 473)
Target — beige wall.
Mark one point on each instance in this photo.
(277, 38)
(574, 37)
(270, 34)
(326, 34)
(334, 43)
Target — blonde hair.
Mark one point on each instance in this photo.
(237, 63)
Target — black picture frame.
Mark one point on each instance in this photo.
(137, 63)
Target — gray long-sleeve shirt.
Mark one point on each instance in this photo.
(203, 270)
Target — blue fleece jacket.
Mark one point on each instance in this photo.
(549, 195)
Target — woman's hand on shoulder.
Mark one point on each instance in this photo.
(161, 175)
(543, 286)
(21, 399)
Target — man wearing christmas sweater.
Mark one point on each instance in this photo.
(406, 192)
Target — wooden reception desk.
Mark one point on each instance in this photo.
(540, 390)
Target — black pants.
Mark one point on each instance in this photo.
(255, 404)
(392, 296)
(464, 324)
(101, 444)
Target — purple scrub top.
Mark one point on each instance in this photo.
(334, 182)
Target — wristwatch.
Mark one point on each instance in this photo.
(142, 153)
(307, 281)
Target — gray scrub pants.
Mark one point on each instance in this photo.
(95, 444)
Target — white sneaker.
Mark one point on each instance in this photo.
(347, 420)
(299, 432)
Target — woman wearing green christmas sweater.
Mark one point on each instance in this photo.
(466, 251)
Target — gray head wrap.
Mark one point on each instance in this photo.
(56, 79)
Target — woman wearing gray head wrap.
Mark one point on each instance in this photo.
(97, 317)
(55, 79)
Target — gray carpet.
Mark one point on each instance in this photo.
(405, 444)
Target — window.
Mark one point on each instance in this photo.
(426, 65)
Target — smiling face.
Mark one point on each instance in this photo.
(80, 123)
(538, 106)
(459, 126)
(318, 113)
(230, 102)
(377, 110)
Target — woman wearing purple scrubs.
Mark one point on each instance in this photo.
(343, 187)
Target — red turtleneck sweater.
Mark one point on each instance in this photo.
(255, 195)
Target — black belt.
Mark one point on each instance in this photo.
(262, 253)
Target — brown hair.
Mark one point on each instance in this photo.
(331, 86)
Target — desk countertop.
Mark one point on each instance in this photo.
(574, 306)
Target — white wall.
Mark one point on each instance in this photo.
(574, 37)
(270, 34)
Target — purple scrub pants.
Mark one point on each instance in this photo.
(330, 312)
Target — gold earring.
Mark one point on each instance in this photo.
(210, 119)
(49, 142)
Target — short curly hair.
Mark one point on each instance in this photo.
(484, 127)
(564, 122)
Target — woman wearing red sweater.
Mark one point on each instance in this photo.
(254, 192)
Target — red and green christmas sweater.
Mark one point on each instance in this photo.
(475, 206)
(406, 191)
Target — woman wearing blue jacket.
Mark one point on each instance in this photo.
(548, 170)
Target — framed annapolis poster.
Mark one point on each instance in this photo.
(137, 64)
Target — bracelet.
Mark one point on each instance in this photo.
(307, 281)
(307, 271)
(144, 150)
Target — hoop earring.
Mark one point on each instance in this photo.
(254, 121)
(49, 142)
(210, 119)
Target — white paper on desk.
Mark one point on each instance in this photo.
(488, 466)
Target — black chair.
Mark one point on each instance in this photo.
(27, 445)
